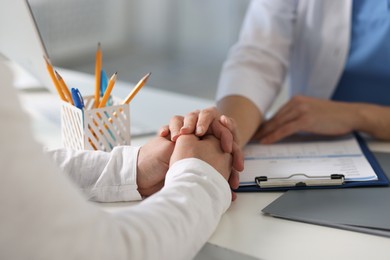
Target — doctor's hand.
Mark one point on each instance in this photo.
(307, 114)
(209, 122)
(152, 165)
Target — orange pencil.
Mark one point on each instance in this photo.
(50, 69)
(135, 90)
(107, 94)
(64, 87)
(98, 68)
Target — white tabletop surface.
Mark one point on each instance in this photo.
(243, 228)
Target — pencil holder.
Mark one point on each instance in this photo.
(95, 128)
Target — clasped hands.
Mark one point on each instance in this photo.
(205, 135)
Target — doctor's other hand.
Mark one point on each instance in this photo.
(153, 164)
(307, 114)
(207, 149)
(209, 122)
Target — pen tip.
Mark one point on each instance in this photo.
(147, 76)
(57, 74)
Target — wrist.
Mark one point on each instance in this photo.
(373, 119)
(355, 116)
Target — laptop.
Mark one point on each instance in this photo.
(21, 41)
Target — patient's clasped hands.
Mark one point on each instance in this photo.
(187, 137)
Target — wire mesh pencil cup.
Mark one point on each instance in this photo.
(95, 128)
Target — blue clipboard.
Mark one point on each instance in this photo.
(381, 181)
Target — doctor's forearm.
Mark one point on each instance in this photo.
(244, 112)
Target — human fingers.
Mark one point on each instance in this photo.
(189, 123)
(175, 124)
(276, 122)
(283, 131)
(238, 158)
(293, 109)
(205, 118)
(228, 145)
(226, 136)
(223, 134)
(234, 196)
(226, 131)
(232, 126)
(296, 102)
(234, 179)
(234, 183)
(164, 131)
(290, 104)
(216, 157)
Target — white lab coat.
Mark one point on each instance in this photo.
(305, 42)
(44, 216)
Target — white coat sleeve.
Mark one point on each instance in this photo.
(256, 65)
(45, 216)
(102, 176)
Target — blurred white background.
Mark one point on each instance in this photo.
(182, 42)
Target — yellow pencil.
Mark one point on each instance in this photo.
(135, 90)
(50, 69)
(98, 69)
(107, 94)
(64, 87)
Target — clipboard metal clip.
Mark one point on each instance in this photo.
(305, 180)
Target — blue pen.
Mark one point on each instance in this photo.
(103, 83)
(103, 87)
(77, 98)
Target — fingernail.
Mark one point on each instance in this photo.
(183, 129)
(199, 130)
(224, 119)
(164, 132)
(174, 137)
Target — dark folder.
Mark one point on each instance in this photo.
(334, 181)
(364, 209)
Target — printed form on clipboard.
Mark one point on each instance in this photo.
(306, 160)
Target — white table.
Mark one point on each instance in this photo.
(243, 228)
